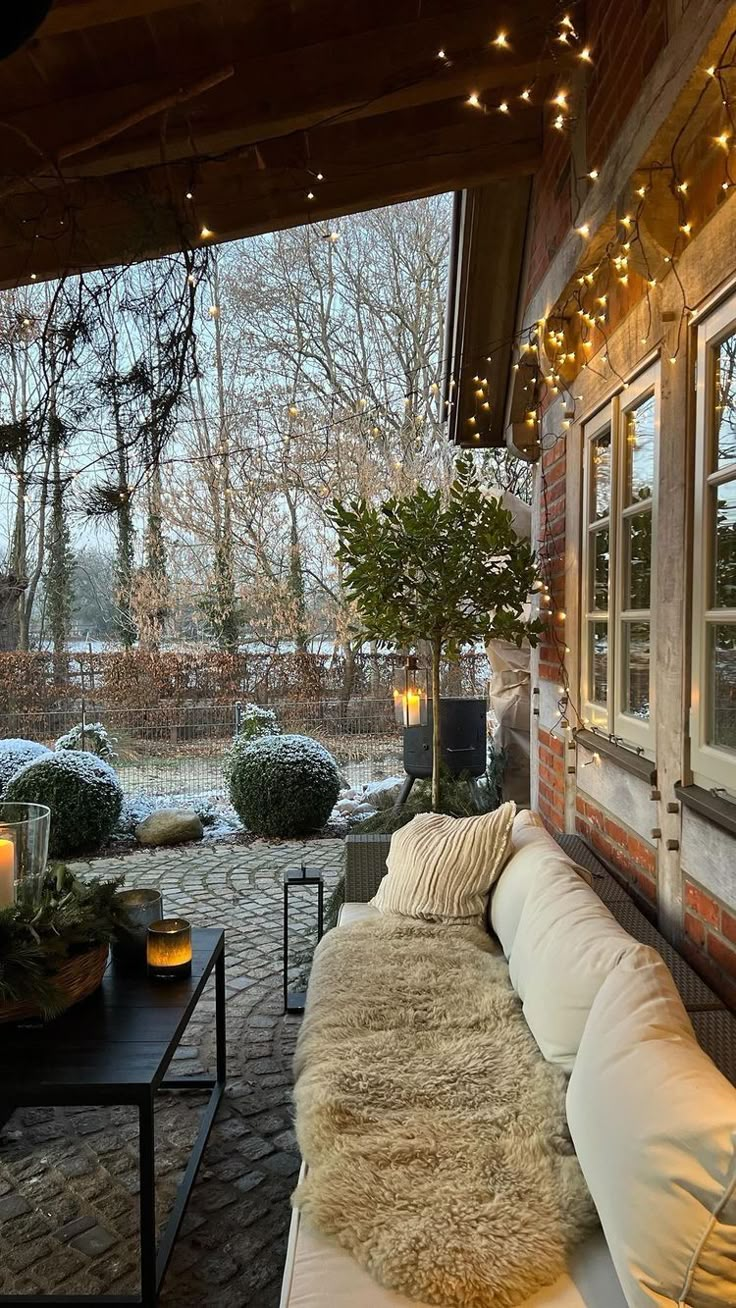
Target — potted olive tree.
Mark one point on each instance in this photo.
(445, 568)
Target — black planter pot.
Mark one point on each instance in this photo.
(463, 732)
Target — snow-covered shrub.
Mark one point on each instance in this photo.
(81, 790)
(92, 737)
(284, 785)
(253, 723)
(14, 754)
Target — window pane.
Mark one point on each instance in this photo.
(637, 533)
(724, 560)
(600, 558)
(640, 452)
(599, 662)
(723, 686)
(600, 478)
(725, 403)
(636, 669)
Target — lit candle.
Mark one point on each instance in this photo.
(169, 948)
(7, 873)
(413, 708)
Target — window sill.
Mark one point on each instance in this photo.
(721, 812)
(627, 759)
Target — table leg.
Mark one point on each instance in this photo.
(320, 910)
(220, 1032)
(147, 1164)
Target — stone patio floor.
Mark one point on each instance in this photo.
(68, 1178)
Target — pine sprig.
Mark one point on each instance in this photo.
(48, 924)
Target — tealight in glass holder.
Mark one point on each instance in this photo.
(169, 949)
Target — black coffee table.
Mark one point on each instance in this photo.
(114, 1049)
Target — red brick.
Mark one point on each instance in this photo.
(695, 929)
(702, 904)
(722, 954)
(728, 925)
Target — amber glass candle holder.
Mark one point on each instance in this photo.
(169, 948)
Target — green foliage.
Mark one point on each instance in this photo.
(443, 569)
(14, 754)
(253, 723)
(92, 737)
(284, 785)
(49, 924)
(81, 790)
(458, 797)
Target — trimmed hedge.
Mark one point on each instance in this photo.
(14, 754)
(284, 785)
(84, 796)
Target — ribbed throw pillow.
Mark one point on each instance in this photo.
(441, 868)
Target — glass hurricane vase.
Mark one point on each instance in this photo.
(24, 847)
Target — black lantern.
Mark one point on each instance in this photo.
(294, 877)
(410, 697)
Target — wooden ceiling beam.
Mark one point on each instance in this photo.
(357, 76)
(77, 15)
(105, 223)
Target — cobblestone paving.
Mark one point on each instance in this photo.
(68, 1178)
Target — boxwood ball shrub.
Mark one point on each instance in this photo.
(284, 785)
(81, 790)
(14, 754)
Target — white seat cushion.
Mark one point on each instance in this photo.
(319, 1274)
(566, 944)
(351, 913)
(654, 1126)
(535, 855)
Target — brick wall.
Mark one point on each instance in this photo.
(551, 800)
(625, 36)
(710, 939)
(632, 858)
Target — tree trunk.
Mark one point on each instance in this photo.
(436, 734)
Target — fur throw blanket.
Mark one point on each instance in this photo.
(433, 1130)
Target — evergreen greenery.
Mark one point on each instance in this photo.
(447, 569)
(284, 785)
(14, 754)
(81, 790)
(47, 925)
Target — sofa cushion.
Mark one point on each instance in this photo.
(654, 1126)
(535, 855)
(319, 1274)
(351, 913)
(440, 868)
(566, 944)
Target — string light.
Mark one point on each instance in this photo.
(526, 95)
(583, 230)
(206, 233)
(473, 100)
(593, 174)
(723, 140)
(502, 41)
(503, 107)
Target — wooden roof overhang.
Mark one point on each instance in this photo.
(118, 110)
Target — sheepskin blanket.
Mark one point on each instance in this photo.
(433, 1130)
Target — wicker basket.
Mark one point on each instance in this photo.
(79, 977)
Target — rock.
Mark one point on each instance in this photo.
(169, 826)
(346, 806)
(363, 810)
(383, 794)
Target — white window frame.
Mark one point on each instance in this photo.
(711, 766)
(612, 717)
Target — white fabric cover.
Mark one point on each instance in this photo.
(566, 944)
(654, 1126)
(319, 1274)
(536, 855)
(355, 912)
(440, 868)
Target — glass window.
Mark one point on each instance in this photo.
(620, 470)
(725, 402)
(713, 715)
(640, 437)
(601, 474)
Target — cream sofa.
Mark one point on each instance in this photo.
(652, 1119)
